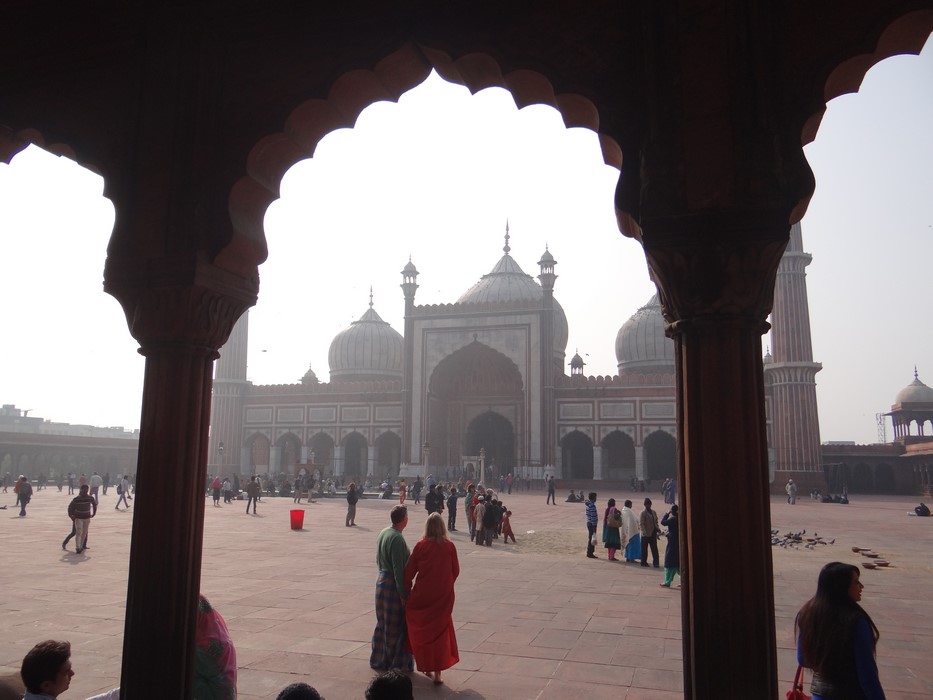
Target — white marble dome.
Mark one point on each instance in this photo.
(370, 349)
(641, 345)
(915, 392)
(507, 283)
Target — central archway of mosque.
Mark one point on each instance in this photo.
(476, 401)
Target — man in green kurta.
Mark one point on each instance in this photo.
(390, 633)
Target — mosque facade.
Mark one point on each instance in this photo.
(480, 383)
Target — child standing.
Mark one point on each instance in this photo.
(507, 528)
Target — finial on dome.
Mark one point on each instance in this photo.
(370, 296)
(506, 247)
(916, 376)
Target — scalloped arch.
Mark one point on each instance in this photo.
(906, 34)
(355, 90)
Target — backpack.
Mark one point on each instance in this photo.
(615, 518)
(120, 489)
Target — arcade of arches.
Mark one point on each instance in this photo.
(193, 117)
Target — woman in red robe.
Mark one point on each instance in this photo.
(433, 567)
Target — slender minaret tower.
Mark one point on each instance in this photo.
(792, 374)
(547, 277)
(227, 402)
(409, 287)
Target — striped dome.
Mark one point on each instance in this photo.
(507, 283)
(641, 345)
(370, 349)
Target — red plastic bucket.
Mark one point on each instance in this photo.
(298, 519)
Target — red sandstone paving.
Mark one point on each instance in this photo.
(300, 604)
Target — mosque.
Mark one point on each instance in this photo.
(481, 383)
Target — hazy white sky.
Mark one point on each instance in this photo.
(406, 180)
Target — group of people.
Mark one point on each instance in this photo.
(487, 516)
(634, 535)
(415, 599)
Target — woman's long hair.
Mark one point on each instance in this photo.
(826, 622)
(434, 528)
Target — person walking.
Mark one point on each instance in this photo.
(649, 529)
(216, 485)
(402, 492)
(836, 638)
(430, 574)
(389, 636)
(23, 494)
(791, 489)
(252, 493)
(353, 496)
(672, 552)
(612, 524)
(95, 482)
(592, 518)
(82, 508)
(123, 490)
(551, 497)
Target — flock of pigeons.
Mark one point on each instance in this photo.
(800, 540)
(796, 540)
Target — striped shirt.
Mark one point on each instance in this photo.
(591, 517)
(82, 508)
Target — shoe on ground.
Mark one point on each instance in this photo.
(591, 556)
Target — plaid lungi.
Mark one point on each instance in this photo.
(390, 633)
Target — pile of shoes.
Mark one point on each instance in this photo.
(875, 560)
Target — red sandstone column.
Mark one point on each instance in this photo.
(179, 330)
(716, 292)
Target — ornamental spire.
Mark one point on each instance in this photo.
(506, 247)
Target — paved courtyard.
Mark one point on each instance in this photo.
(530, 623)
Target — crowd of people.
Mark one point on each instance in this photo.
(635, 536)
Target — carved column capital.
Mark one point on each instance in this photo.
(191, 306)
(715, 269)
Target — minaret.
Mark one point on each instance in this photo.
(795, 425)
(547, 277)
(227, 402)
(409, 287)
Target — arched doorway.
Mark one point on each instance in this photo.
(289, 453)
(321, 450)
(259, 449)
(476, 400)
(388, 454)
(355, 456)
(884, 479)
(862, 481)
(618, 456)
(493, 433)
(660, 456)
(576, 452)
